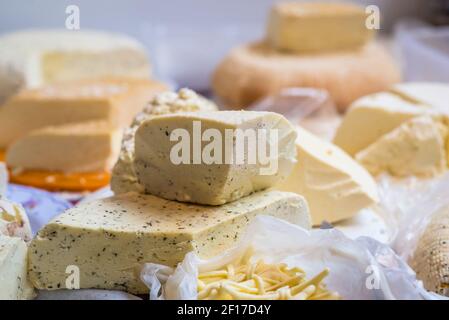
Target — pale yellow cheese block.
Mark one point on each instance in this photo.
(374, 115)
(123, 174)
(14, 284)
(235, 172)
(32, 58)
(417, 147)
(315, 27)
(115, 100)
(335, 186)
(77, 147)
(110, 239)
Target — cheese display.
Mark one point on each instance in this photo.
(32, 58)
(313, 27)
(246, 280)
(13, 270)
(78, 147)
(431, 258)
(124, 177)
(217, 158)
(309, 45)
(110, 239)
(336, 187)
(417, 147)
(115, 100)
(383, 132)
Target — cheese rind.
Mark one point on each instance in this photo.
(33, 58)
(79, 147)
(14, 284)
(220, 179)
(110, 239)
(417, 147)
(335, 186)
(113, 100)
(315, 27)
(123, 174)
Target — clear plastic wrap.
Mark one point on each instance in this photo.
(359, 269)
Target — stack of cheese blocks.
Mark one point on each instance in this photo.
(66, 97)
(308, 44)
(162, 210)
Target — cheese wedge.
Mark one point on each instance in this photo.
(79, 147)
(335, 186)
(14, 284)
(372, 116)
(123, 175)
(33, 58)
(14, 221)
(417, 147)
(225, 166)
(113, 100)
(314, 27)
(110, 239)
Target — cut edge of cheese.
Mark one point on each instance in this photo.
(13, 270)
(415, 148)
(333, 183)
(110, 239)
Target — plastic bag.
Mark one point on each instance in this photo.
(407, 205)
(359, 269)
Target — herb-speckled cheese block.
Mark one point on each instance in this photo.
(213, 181)
(110, 239)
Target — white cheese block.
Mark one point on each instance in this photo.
(335, 186)
(231, 173)
(110, 239)
(114, 100)
(417, 147)
(32, 58)
(14, 284)
(14, 221)
(315, 27)
(79, 147)
(123, 174)
(372, 116)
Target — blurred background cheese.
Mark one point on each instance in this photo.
(214, 183)
(335, 185)
(115, 100)
(75, 147)
(110, 239)
(33, 58)
(124, 177)
(13, 269)
(417, 147)
(314, 27)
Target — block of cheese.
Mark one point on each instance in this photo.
(76, 147)
(335, 186)
(110, 239)
(314, 27)
(123, 175)
(372, 116)
(14, 221)
(110, 99)
(31, 58)
(214, 160)
(14, 284)
(417, 147)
